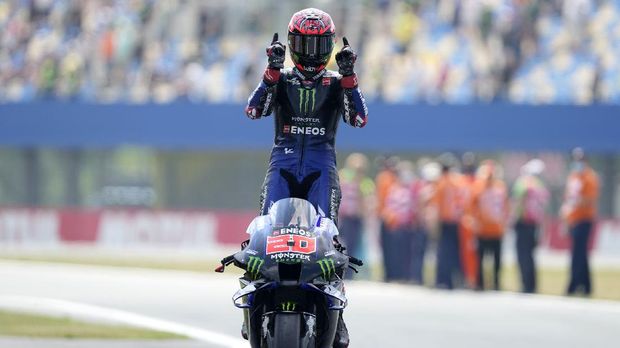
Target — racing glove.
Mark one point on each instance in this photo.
(275, 56)
(346, 62)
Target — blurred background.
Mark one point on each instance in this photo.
(122, 123)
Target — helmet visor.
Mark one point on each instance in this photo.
(311, 45)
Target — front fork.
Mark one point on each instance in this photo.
(246, 311)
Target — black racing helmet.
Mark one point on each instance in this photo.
(311, 36)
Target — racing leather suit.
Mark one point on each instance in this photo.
(307, 113)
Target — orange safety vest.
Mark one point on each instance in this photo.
(448, 198)
(582, 189)
(490, 208)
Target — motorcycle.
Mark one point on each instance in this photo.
(292, 291)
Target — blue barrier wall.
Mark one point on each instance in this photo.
(391, 127)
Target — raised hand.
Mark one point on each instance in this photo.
(346, 59)
(276, 53)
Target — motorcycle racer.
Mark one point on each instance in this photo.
(307, 102)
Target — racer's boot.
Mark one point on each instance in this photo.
(244, 325)
(342, 334)
(244, 330)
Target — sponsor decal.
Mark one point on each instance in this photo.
(326, 81)
(347, 110)
(29, 226)
(263, 198)
(303, 130)
(314, 78)
(289, 257)
(328, 268)
(330, 253)
(359, 121)
(267, 104)
(307, 100)
(288, 150)
(333, 204)
(254, 252)
(310, 120)
(322, 223)
(157, 228)
(363, 102)
(288, 306)
(293, 230)
(291, 243)
(254, 265)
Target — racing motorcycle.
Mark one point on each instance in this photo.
(292, 291)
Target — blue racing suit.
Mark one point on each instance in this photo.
(307, 113)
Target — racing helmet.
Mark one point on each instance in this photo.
(311, 35)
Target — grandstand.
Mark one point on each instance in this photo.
(416, 51)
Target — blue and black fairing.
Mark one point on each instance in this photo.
(269, 262)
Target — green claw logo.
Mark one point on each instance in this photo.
(254, 265)
(304, 98)
(327, 267)
(288, 306)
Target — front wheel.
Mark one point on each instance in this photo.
(289, 330)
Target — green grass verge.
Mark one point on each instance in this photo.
(29, 325)
(115, 261)
(553, 281)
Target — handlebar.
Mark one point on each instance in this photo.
(356, 261)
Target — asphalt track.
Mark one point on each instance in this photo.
(379, 315)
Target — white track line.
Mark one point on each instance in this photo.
(75, 309)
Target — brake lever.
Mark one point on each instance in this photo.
(225, 262)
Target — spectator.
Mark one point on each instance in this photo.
(467, 237)
(490, 209)
(385, 179)
(529, 201)
(576, 14)
(400, 216)
(447, 200)
(357, 193)
(430, 172)
(578, 212)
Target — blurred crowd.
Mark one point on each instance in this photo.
(452, 51)
(463, 208)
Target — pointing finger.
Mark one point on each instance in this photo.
(275, 38)
(345, 41)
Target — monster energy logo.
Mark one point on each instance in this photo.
(327, 267)
(304, 100)
(254, 265)
(288, 306)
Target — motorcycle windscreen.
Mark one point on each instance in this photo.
(293, 212)
(295, 236)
